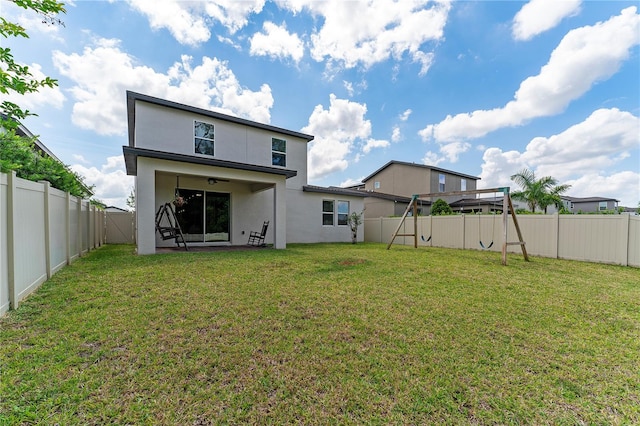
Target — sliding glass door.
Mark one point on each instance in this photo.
(205, 216)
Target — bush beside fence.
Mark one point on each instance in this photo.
(594, 238)
(42, 229)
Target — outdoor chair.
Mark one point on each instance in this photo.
(257, 238)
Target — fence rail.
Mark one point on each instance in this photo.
(42, 229)
(594, 238)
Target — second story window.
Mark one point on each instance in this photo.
(441, 183)
(278, 152)
(463, 184)
(203, 138)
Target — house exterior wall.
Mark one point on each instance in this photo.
(589, 205)
(171, 130)
(304, 218)
(592, 206)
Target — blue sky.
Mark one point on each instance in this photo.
(484, 88)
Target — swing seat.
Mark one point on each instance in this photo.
(426, 240)
(488, 247)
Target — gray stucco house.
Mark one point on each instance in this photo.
(233, 175)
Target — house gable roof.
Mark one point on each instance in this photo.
(131, 155)
(423, 166)
(132, 97)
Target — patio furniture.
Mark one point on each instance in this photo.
(257, 238)
(167, 225)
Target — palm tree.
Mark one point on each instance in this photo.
(537, 192)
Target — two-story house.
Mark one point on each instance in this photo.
(232, 174)
(390, 188)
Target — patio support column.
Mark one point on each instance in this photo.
(280, 215)
(145, 207)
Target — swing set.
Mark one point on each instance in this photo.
(507, 207)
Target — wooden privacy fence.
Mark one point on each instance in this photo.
(42, 229)
(593, 238)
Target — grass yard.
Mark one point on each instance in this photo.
(324, 334)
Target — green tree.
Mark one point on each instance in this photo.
(131, 199)
(540, 193)
(14, 77)
(19, 154)
(441, 207)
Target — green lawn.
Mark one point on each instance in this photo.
(324, 334)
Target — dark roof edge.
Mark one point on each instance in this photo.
(131, 154)
(334, 190)
(133, 96)
(404, 163)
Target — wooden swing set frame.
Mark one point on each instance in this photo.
(507, 206)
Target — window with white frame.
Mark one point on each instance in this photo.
(441, 182)
(327, 212)
(602, 205)
(203, 137)
(278, 152)
(376, 185)
(343, 212)
(463, 184)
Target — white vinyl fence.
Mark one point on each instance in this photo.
(593, 238)
(42, 229)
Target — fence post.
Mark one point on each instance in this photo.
(47, 226)
(68, 227)
(11, 235)
(626, 222)
(79, 234)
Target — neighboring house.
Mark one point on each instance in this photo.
(586, 205)
(233, 173)
(390, 188)
(114, 209)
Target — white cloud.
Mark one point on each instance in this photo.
(425, 59)
(349, 87)
(432, 158)
(593, 52)
(538, 16)
(188, 22)
(80, 159)
(623, 186)
(351, 182)
(582, 152)
(102, 74)
(36, 100)
(405, 115)
(374, 143)
(184, 23)
(233, 14)
(396, 134)
(111, 183)
(382, 30)
(336, 131)
(277, 42)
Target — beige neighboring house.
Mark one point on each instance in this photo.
(234, 174)
(390, 188)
